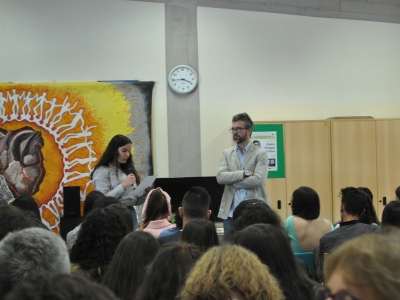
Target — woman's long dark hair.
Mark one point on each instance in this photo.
(167, 273)
(369, 216)
(272, 247)
(110, 156)
(200, 232)
(127, 267)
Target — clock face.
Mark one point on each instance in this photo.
(182, 79)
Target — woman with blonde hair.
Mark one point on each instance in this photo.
(365, 268)
(230, 272)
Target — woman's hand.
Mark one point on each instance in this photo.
(129, 180)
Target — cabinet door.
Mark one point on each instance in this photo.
(276, 190)
(353, 158)
(308, 160)
(388, 160)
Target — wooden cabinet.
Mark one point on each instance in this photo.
(276, 190)
(353, 158)
(329, 155)
(388, 161)
(307, 163)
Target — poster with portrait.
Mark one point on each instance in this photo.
(52, 135)
(270, 138)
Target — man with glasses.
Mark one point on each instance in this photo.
(243, 170)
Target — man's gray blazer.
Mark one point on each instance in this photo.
(231, 174)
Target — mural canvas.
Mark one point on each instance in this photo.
(52, 135)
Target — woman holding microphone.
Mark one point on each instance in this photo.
(115, 175)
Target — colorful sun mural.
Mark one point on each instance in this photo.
(52, 135)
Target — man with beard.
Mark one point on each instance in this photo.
(243, 170)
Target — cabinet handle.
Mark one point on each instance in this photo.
(279, 204)
(383, 200)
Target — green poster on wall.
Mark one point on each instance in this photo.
(270, 138)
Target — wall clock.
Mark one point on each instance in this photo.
(182, 79)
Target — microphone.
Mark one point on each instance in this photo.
(130, 171)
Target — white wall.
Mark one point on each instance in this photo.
(88, 40)
(273, 66)
(285, 67)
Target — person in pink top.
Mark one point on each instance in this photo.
(156, 212)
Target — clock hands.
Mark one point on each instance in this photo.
(181, 79)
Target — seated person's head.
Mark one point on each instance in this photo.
(230, 272)
(104, 202)
(200, 232)
(27, 202)
(100, 233)
(12, 219)
(391, 215)
(196, 204)
(397, 192)
(353, 201)
(272, 247)
(305, 203)
(369, 216)
(24, 253)
(135, 251)
(166, 274)
(60, 287)
(366, 267)
(122, 212)
(251, 212)
(90, 200)
(156, 207)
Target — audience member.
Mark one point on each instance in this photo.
(29, 207)
(100, 233)
(44, 286)
(391, 215)
(352, 206)
(195, 205)
(5, 194)
(178, 225)
(12, 219)
(305, 227)
(273, 249)
(230, 272)
(27, 203)
(366, 267)
(251, 212)
(200, 232)
(88, 205)
(105, 201)
(125, 273)
(369, 217)
(127, 267)
(156, 212)
(28, 251)
(34, 219)
(397, 192)
(166, 274)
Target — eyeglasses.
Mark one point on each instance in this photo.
(322, 292)
(236, 129)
